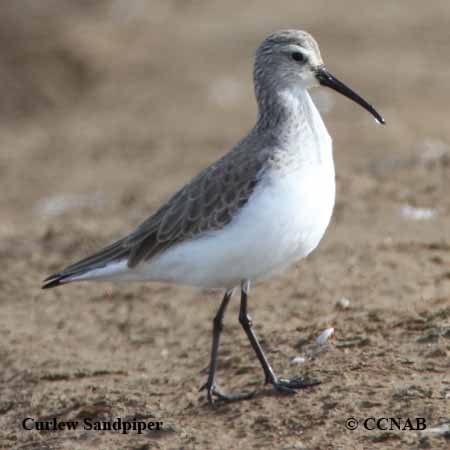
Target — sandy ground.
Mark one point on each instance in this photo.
(106, 110)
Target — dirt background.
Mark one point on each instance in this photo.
(108, 107)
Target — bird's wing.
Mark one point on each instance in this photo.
(206, 204)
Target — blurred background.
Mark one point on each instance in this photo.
(121, 101)
(108, 107)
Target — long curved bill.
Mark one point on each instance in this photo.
(326, 79)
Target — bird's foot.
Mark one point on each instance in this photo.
(212, 390)
(291, 386)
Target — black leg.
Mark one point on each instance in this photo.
(280, 384)
(246, 322)
(210, 385)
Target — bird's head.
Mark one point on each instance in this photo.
(291, 59)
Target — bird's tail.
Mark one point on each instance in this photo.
(56, 279)
(99, 265)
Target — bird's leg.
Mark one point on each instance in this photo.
(246, 322)
(210, 385)
(280, 384)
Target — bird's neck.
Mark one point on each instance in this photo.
(290, 115)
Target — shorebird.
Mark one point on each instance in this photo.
(263, 206)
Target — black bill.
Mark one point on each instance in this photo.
(326, 79)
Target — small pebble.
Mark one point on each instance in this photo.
(296, 360)
(323, 337)
(411, 212)
(343, 303)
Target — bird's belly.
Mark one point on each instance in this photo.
(290, 219)
(283, 221)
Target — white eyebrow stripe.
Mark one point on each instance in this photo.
(306, 52)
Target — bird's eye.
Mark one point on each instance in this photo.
(297, 56)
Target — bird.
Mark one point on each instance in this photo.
(261, 207)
